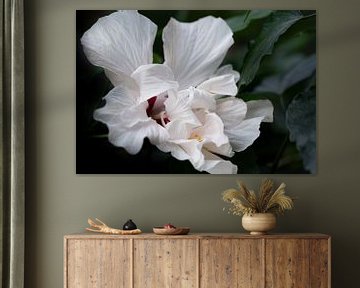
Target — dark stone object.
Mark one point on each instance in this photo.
(129, 225)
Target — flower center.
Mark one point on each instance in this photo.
(156, 109)
(196, 136)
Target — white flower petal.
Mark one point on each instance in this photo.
(244, 134)
(260, 108)
(120, 43)
(132, 138)
(121, 105)
(216, 165)
(195, 50)
(225, 149)
(179, 130)
(153, 79)
(178, 108)
(184, 150)
(212, 130)
(240, 124)
(175, 150)
(127, 121)
(117, 79)
(228, 69)
(186, 143)
(220, 85)
(127, 116)
(193, 149)
(231, 111)
(202, 100)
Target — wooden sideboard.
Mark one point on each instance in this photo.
(197, 260)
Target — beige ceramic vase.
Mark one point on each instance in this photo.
(259, 223)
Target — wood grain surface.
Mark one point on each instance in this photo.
(231, 263)
(89, 235)
(197, 260)
(98, 263)
(319, 263)
(165, 263)
(287, 263)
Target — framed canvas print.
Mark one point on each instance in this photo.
(218, 92)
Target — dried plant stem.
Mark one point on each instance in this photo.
(101, 227)
(245, 201)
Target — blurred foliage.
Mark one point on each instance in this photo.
(273, 28)
(242, 21)
(275, 52)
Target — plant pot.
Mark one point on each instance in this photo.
(259, 223)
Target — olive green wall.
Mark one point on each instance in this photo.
(59, 201)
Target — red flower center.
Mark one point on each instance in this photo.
(156, 110)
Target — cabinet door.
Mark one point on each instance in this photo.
(165, 263)
(231, 263)
(98, 263)
(287, 263)
(320, 263)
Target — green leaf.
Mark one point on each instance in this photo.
(157, 59)
(277, 24)
(304, 69)
(241, 22)
(299, 72)
(301, 121)
(305, 25)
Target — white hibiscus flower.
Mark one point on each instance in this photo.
(178, 105)
(200, 144)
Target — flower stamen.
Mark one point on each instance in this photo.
(161, 117)
(196, 136)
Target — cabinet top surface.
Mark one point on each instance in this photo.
(86, 235)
